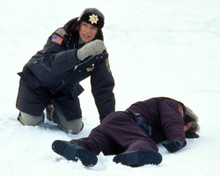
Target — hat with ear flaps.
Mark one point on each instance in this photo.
(92, 16)
(191, 117)
(96, 19)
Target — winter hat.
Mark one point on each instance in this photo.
(92, 16)
(191, 117)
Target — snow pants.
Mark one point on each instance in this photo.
(117, 133)
(66, 108)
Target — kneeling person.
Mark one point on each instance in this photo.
(51, 78)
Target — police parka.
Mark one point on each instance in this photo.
(57, 68)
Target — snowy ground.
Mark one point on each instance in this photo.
(157, 48)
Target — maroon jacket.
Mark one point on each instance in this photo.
(165, 117)
(119, 131)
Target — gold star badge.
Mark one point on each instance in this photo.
(93, 18)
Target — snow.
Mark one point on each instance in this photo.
(157, 48)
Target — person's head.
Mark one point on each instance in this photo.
(91, 21)
(191, 121)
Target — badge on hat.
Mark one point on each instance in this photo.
(93, 18)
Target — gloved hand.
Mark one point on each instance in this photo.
(92, 48)
(191, 135)
(173, 146)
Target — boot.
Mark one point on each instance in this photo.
(71, 151)
(49, 111)
(138, 158)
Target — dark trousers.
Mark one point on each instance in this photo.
(117, 133)
(34, 101)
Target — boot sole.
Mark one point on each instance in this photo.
(72, 151)
(138, 158)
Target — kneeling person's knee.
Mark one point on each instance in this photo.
(72, 126)
(31, 120)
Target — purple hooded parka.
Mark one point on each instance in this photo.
(119, 132)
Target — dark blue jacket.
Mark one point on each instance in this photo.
(57, 68)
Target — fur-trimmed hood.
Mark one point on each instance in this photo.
(191, 116)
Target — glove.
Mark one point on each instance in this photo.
(89, 64)
(92, 48)
(173, 146)
(191, 135)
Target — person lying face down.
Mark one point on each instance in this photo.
(132, 135)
